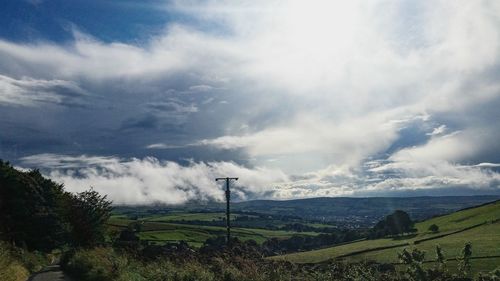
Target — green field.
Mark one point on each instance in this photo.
(158, 230)
(183, 216)
(485, 241)
(209, 218)
(463, 219)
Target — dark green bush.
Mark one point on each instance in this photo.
(32, 209)
(37, 214)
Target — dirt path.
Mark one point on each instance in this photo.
(51, 273)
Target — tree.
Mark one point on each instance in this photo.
(36, 213)
(434, 228)
(88, 212)
(128, 239)
(31, 209)
(396, 223)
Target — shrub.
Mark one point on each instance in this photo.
(88, 212)
(31, 209)
(105, 264)
(10, 268)
(492, 276)
(434, 228)
(97, 264)
(414, 260)
(440, 258)
(17, 264)
(464, 265)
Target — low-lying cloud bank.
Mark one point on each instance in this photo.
(149, 180)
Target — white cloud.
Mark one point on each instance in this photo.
(148, 180)
(347, 142)
(453, 147)
(326, 82)
(434, 175)
(488, 165)
(437, 131)
(176, 51)
(163, 146)
(35, 92)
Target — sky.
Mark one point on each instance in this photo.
(150, 101)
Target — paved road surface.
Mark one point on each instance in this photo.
(51, 273)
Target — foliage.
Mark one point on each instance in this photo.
(465, 264)
(440, 259)
(16, 264)
(396, 223)
(32, 209)
(414, 260)
(11, 269)
(88, 212)
(434, 228)
(218, 262)
(492, 276)
(101, 264)
(37, 214)
(415, 270)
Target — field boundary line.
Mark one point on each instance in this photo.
(372, 250)
(416, 242)
(454, 259)
(455, 232)
(448, 234)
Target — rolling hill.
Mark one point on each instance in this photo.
(342, 211)
(479, 225)
(369, 209)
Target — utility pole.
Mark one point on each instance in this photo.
(228, 214)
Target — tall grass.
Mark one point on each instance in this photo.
(17, 264)
(108, 264)
(101, 264)
(112, 265)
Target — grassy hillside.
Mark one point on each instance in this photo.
(485, 240)
(462, 219)
(196, 235)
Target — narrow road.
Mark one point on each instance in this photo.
(50, 273)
